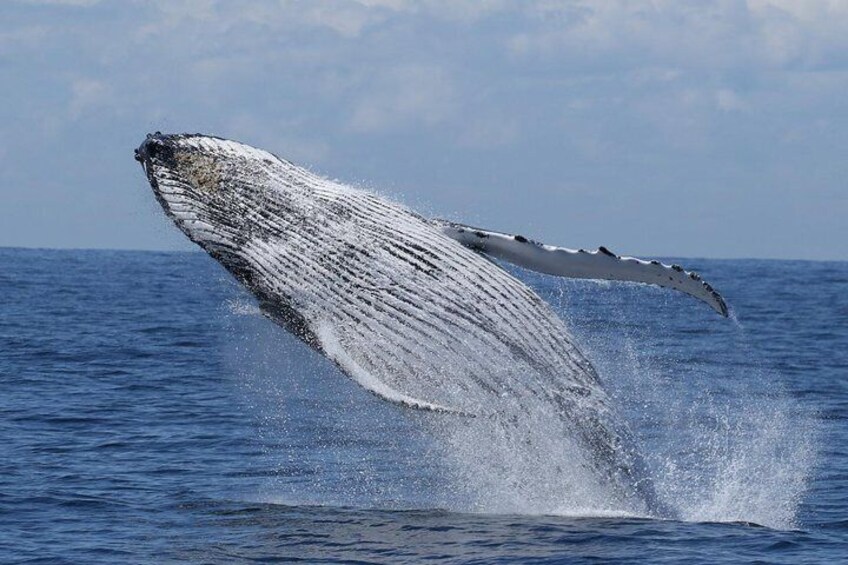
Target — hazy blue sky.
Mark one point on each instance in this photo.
(699, 128)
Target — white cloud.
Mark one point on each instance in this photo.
(397, 5)
(87, 94)
(347, 19)
(82, 3)
(403, 97)
(729, 101)
(23, 38)
(490, 131)
(639, 91)
(452, 10)
(706, 35)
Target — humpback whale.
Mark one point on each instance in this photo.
(416, 310)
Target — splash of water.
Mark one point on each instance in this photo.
(529, 464)
(723, 441)
(716, 447)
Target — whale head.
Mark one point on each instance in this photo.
(216, 191)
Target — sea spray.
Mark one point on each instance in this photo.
(723, 441)
(719, 443)
(528, 464)
(416, 312)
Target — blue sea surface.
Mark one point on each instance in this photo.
(149, 414)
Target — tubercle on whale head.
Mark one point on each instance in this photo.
(199, 163)
(156, 156)
(181, 157)
(186, 174)
(220, 193)
(146, 150)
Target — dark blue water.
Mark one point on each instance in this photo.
(148, 414)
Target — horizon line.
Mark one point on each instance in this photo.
(197, 250)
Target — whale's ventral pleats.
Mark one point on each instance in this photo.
(412, 309)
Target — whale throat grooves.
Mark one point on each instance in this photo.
(409, 313)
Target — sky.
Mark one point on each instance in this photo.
(656, 128)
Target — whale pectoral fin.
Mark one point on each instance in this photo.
(332, 348)
(581, 264)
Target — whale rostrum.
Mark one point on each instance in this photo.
(413, 309)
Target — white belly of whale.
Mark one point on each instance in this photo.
(410, 308)
(401, 307)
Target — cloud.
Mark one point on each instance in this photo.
(622, 96)
(410, 96)
(456, 66)
(490, 131)
(79, 3)
(348, 19)
(710, 34)
(87, 94)
(729, 101)
(25, 38)
(449, 10)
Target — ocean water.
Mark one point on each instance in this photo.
(149, 414)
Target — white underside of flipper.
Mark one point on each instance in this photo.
(581, 264)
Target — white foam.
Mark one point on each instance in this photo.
(243, 307)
